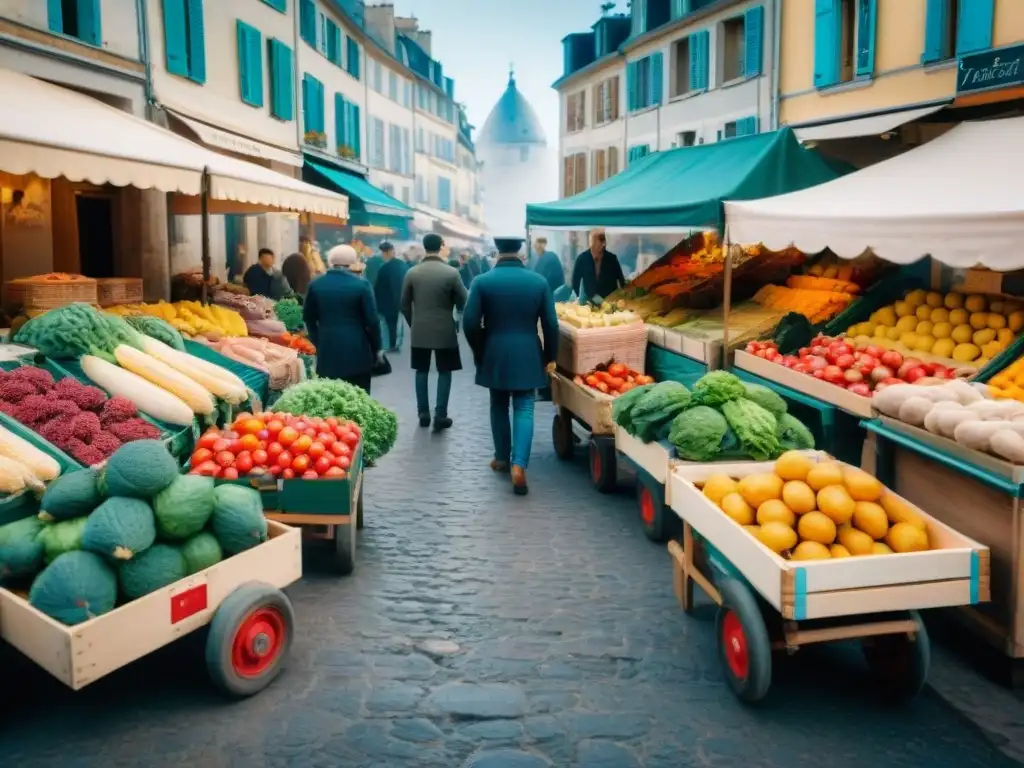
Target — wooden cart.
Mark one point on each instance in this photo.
(592, 410)
(251, 622)
(653, 462)
(767, 603)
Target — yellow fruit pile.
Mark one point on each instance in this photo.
(806, 510)
(190, 317)
(966, 329)
(1009, 383)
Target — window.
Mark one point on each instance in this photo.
(580, 175)
(680, 84)
(250, 64)
(686, 138)
(639, 17)
(644, 82)
(347, 128)
(77, 18)
(376, 139)
(733, 55)
(613, 161)
(421, 190)
(844, 40)
(420, 143)
(307, 21)
(184, 40)
(956, 27)
(575, 115)
(700, 62)
(407, 162)
(282, 80)
(392, 86)
(388, 189)
(333, 42)
(638, 151)
(322, 45)
(574, 174)
(444, 193)
(395, 148)
(406, 94)
(313, 111)
(599, 169)
(606, 101)
(729, 131)
(378, 76)
(405, 195)
(352, 57)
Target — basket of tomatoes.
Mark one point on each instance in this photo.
(612, 379)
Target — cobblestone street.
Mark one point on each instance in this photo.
(489, 631)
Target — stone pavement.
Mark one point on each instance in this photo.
(489, 631)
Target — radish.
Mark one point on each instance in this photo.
(853, 376)
(880, 373)
(860, 388)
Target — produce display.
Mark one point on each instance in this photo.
(816, 298)
(613, 379)
(75, 330)
(278, 444)
(721, 418)
(588, 316)
(966, 329)
(158, 329)
(1009, 383)
(806, 510)
(861, 367)
(278, 362)
(962, 412)
(289, 312)
(299, 343)
(127, 531)
(79, 419)
(191, 317)
(331, 398)
(257, 312)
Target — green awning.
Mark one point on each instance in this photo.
(685, 188)
(363, 197)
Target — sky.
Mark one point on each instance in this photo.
(476, 40)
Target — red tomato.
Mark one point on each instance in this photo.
(300, 463)
(341, 448)
(299, 425)
(310, 432)
(252, 426)
(287, 436)
(236, 447)
(230, 435)
(201, 455)
(224, 458)
(322, 465)
(244, 463)
(331, 422)
(335, 472)
(284, 460)
(208, 439)
(344, 462)
(302, 444)
(274, 426)
(263, 435)
(316, 450)
(260, 458)
(340, 430)
(326, 438)
(352, 439)
(309, 474)
(274, 470)
(208, 469)
(287, 474)
(249, 442)
(221, 444)
(230, 473)
(274, 450)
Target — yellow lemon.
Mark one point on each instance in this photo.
(817, 526)
(953, 301)
(903, 309)
(924, 343)
(942, 330)
(933, 299)
(887, 316)
(959, 316)
(892, 334)
(983, 337)
(1003, 336)
(996, 306)
(974, 303)
(880, 332)
(962, 334)
(906, 324)
(944, 347)
(979, 320)
(991, 349)
(923, 312)
(940, 315)
(995, 321)
(915, 298)
(965, 353)
(924, 328)
(1015, 321)
(909, 340)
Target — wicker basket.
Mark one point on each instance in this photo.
(44, 292)
(112, 291)
(580, 350)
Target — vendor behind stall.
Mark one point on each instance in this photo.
(597, 271)
(263, 279)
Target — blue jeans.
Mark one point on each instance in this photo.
(392, 331)
(512, 443)
(444, 390)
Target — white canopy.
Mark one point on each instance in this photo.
(52, 131)
(957, 198)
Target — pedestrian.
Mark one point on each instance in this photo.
(375, 262)
(388, 292)
(342, 321)
(263, 279)
(533, 254)
(483, 267)
(547, 265)
(500, 320)
(597, 272)
(431, 293)
(297, 272)
(465, 270)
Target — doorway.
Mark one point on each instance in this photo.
(95, 235)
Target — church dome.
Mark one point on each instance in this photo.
(512, 121)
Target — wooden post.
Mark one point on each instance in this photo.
(726, 302)
(204, 214)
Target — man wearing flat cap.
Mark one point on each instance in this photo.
(342, 321)
(431, 293)
(501, 318)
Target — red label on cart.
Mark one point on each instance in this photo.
(188, 603)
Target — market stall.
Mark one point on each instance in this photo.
(954, 199)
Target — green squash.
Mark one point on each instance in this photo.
(138, 470)
(238, 521)
(183, 508)
(120, 529)
(200, 552)
(75, 587)
(71, 495)
(65, 536)
(20, 552)
(158, 566)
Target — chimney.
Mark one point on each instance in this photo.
(423, 37)
(380, 25)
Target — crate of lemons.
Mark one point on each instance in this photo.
(807, 510)
(968, 329)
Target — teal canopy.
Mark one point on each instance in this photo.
(685, 188)
(365, 201)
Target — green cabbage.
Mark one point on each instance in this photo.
(793, 435)
(697, 433)
(716, 388)
(158, 329)
(623, 405)
(768, 399)
(754, 426)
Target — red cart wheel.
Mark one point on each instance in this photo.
(744, 647)
(603, 472)
(258, 642)
(650, 500)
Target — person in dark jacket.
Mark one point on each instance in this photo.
(388, 292)
(262, 279)
(342, 321)
(298, 274)
(500, 320)
(375, 262)
(482, 264)
(597, 271)
(548, 266)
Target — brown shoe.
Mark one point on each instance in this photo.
(499, 466)
(519, 487)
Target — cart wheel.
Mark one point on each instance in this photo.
(250, 637)
(650, 500)
(561, 436)
(602, 464)
(345, 548)
(743, 644)
(359, 510)
(898, 663)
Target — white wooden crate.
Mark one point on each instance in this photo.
(84, 653)
(704, 351)
(654, 458)
(955, 573)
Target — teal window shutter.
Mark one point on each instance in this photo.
(355, 131)
(936, 31)
(279, 5)
(704, 65)
(250, 64)
(867, 21)
(340, 122)
(307, 21)
(312, 104)
(680, 8)
(974, 28)
(694, 47)
(175, 37)
(747, 126)
(281, 80)
(333, 43)
(753, 34)
(631, 86)
(657, 77)
(196, 42)
(55, 16)
(352, 54)
(827, 26)
(89, 22)
(320, 111)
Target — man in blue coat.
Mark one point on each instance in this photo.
(500, 320)
(547, 265)
(388, 293)
(342, 321)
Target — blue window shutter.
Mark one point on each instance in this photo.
(340, 122)
(353, 57)
(250, 64)
(242, 50)
(694, 46)
(827, 23)
(866, 24)
(307, 21)
(89, 28)
(55, 16)
(936, 26)
(280, 5)
(680, 8)
(631, 86)
(703, 59)
(974, 29)
(657, 77)
(281, 80)
(320, 110)
(355, 130)
(753, 33)
(175, 37)
(196, 42)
